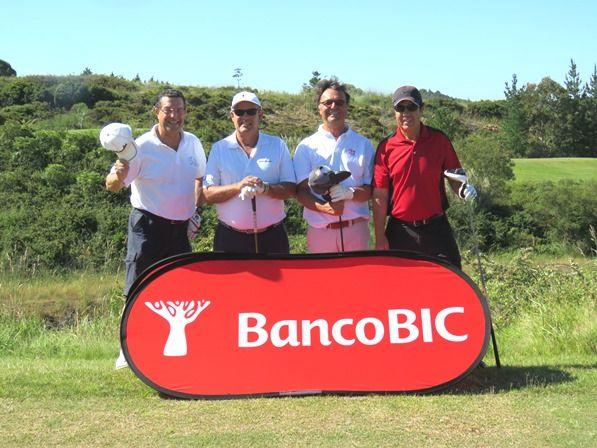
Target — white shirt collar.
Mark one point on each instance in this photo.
(328, 134)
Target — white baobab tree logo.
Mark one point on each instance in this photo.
(178, 314)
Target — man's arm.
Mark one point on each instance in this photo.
(283, 190)
(455, 185)
(380, 213)
(362, 193)
(199, 199)
(215, 194)
(115, 180)
(304, 196)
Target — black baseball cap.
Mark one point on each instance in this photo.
(410, 93)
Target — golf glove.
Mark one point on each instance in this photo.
(467, 192)
(247, 192)
(340, 193)
(194, 225)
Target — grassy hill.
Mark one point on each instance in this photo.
(540, 170)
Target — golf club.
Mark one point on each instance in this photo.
(254, 207)
(321, 179)
(459, 175)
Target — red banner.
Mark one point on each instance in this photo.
(221, 325)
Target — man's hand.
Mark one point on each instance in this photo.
(340, 193)
(115, 180)
(122, 169)
(331, 208)
(247, 192)
(467, 192)
(262, 187)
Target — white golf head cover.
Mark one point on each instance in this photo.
(118, 138)
(457, 174)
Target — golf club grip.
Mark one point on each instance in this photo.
(254, 204)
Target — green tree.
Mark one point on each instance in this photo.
(315, 78)
(488, 164)
(446, 119)
(6, 69)
(589, 110)
(572, 82)
(591, 86)
(513, 129)
(238, 74)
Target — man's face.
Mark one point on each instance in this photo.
(242, 118)
(171, 114)
(332, 107)
(408, 115)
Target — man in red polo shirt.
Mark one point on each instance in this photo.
(408, 174)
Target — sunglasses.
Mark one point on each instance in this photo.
(170, 111)
(241, 112)
(409, 107)
(328, 103)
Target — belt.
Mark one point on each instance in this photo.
(161, 219)
(251, 231)
(341, 224)
(420, 222)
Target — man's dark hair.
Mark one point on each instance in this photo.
(333, 84)
(170, 93)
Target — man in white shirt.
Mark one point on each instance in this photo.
(165, 177)
(338, 147)
(244, 169)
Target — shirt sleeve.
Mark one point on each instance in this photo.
(200, 155)
(451, 160)
(212, 171)
(302, 164)
(381, 174)
(369, 160)
(286, 166)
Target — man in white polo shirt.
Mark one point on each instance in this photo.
(248, 165)
(338, 147)
(165, 178)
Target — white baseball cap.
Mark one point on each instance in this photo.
(245, 96)
(118, 138)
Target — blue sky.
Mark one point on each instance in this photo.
(466, 49)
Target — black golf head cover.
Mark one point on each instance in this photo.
(322, 178)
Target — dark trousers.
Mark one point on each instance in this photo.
(272, 241)
(435, 238)
(150, 239)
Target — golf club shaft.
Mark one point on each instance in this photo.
(483, 286)
(341, 232)
(254, 207)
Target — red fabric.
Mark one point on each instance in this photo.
(296, 289)
(415, 170)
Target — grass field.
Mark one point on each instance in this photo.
(540, 170)
(58, 386)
